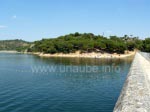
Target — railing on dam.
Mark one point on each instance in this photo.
(135, 95)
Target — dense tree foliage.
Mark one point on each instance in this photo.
(89, 42)
(84, 43)
(17, 45)
(146, 45)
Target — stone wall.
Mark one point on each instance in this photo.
(135, 95)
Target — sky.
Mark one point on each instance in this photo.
(32, 20)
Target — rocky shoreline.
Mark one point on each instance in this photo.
(87, 55)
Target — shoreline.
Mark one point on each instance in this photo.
(7, 51)
(78, 54)
(86, 55)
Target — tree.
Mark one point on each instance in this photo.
(89, 42)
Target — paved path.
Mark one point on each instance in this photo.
(135, 95)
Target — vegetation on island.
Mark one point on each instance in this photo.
(146, 45)
(14, 45)
(89, 42)
(85, 43)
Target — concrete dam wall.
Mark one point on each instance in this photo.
(135, 95)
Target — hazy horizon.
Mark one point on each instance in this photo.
(32, 20)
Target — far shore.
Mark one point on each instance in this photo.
(88, 55)
(7, 51)
(78, 54)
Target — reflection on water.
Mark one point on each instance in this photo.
(21, 90)
(88, 61)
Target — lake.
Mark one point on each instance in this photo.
(29, 83)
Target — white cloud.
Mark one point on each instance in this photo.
(2, 26)
(14, 17)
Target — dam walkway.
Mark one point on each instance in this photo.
(135, 95)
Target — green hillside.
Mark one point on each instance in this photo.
(86, 42)
(16, 45)
(89, 42)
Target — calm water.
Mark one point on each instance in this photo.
(24, 90)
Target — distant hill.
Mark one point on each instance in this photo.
(14, 45)
(88, 42)
(83, 42)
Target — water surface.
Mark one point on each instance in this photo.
(24, 90)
